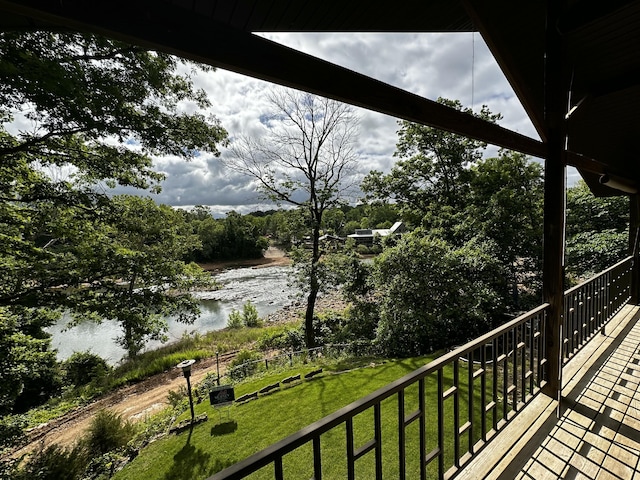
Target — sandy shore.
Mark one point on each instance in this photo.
(272, 257)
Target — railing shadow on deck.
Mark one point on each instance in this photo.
(458, 402)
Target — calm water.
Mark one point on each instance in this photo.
(267, 288)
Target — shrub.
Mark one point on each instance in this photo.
(235, 319)
(244, 364)
(11, 431)
(250, 316)
(207, 384)
(377, 248)
(362, 249)
(176, 398)
(83, 367)
(54, 463)
(108, 432)
(290, 339)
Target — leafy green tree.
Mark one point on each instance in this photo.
(304, 160)
(250, 315)
(30, 372)
(597, 231)
(80, 114)
(83, 367)
(505, 205)
(333, 221)
(432, 295)
(148, 279)
(430, 182)
(233, 237)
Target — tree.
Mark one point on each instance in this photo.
(29, 368)
(430, 182)
(304, 159)
(235, 236)
(148, 279)
(597, 231)
(432, 295)
(505, 206)
(81, 114)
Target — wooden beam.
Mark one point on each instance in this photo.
(160, 26)
(554, 198)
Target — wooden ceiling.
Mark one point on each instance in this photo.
(598, 44)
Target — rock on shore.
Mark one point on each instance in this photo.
(295, 311)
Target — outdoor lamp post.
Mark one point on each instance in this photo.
(186, 371)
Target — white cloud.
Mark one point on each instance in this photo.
(456, 66)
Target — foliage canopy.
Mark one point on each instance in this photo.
(81, 114)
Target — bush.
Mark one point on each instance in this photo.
(362, 249)
(235, 319)
(108, 432)
(376, 249)
(290, 339)
(201, 391)
(54, 463)
(176, 398)
(244, 364)
(250, 316)
(83, 367)
(11, 431)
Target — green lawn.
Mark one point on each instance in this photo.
(222, 440)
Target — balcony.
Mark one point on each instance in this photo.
(488, 418)
(595, 434)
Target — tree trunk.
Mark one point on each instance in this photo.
(314, 287)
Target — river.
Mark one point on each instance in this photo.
(267, 288)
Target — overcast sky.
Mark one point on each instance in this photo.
(455, 66)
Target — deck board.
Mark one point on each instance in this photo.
(597, 434)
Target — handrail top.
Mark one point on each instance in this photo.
(613, 267)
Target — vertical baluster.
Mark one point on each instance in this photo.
(423, 428)
(470, 400)
(515, 350)
(483, 392)
(377, 419)
(402, 473)
(317, 459)
(277, 465)
(592, 309)
(505, 376)
(494, 393)
(441, 423)
(351, 468)
(456, 412)
(531, 343)
(523, 361)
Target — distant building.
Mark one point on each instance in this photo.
(331, 242)
(365, 236)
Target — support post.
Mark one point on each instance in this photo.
(634, 246)
(554, 198)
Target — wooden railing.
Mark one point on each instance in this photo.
(590, 305)
(458, 402)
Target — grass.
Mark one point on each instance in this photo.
(255, 425)
(230, 436)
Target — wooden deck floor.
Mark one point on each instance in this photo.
(597, 432)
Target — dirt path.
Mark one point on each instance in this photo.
(134, 402)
